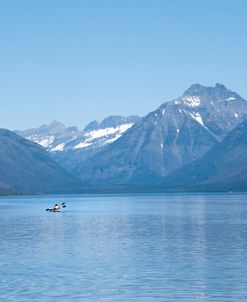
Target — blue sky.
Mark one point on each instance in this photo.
(76, 61)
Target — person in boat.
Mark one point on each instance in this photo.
(56, 207)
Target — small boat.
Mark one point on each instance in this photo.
(57, 207)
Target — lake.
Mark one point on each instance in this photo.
(122, 248)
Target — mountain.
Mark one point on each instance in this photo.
(52, 137)
(70, 146)
(177, 133)
(218, 108)
(25, 167)
(224, 167)
(56, 137)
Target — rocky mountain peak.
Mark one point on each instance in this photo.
(200, 90)
(56, 125)
(220, 86)
(194, 90)
(205, 94)
(94, 125)
(117, 120)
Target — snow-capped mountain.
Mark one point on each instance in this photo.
(217, 108)
(177, 133)
(71, 146)
(52, 137)
(56, 137)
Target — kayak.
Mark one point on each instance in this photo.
(57, 208)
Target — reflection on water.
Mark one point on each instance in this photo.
(124, 248)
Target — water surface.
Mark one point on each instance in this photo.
(124, 248)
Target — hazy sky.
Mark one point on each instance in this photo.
(76, 61)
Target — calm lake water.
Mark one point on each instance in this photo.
(124, 248)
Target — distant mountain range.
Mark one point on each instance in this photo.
(195, 142)
(70, 147)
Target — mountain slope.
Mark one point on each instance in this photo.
(224, 167)
(177, 133)
(25, 167)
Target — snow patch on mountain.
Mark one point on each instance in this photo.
(59, 147)
(191, 101)
(111, 140)
(197, 117)
(45, 142)
(82, 145)
(106, 133)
